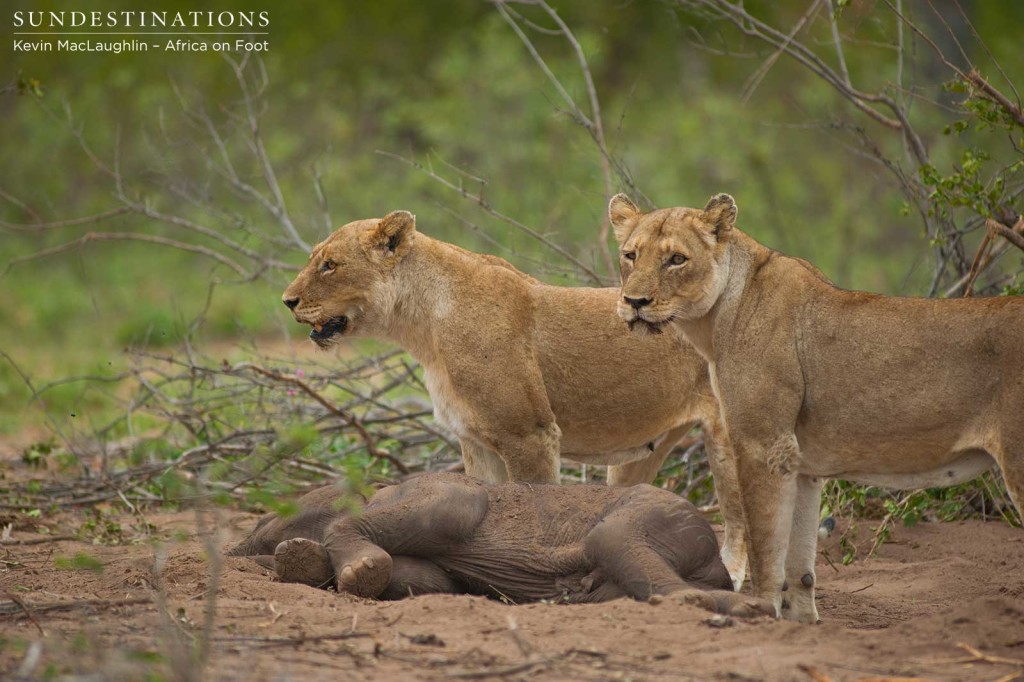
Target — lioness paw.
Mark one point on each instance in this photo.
(751, 607)
(727, 603)
(699, 598)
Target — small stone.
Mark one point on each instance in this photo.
(655, 599)
(719, 621)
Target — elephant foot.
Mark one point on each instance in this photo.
(367, 574)
(303, 561)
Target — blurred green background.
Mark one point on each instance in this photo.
(441, 82)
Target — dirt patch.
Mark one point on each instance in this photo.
(902, 613)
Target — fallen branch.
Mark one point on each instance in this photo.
(500, 672)
(18, 607)
(978, 657)
(293, 641)
(21, 604)
(36, 541)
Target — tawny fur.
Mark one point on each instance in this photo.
(817, 382)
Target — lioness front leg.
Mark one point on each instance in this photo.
(722, 461)
(505, 409)
(768, 498)
(798, 599)
(534, 457)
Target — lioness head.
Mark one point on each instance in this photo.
(673, 261)
(346, 285)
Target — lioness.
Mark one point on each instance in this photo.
(520, 371)
(453, 534)
(817, 382)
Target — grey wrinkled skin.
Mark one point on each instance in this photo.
(513, 541)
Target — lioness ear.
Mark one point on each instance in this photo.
(393, 234)
(721, 212)
(622, 213)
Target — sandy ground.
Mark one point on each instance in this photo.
(901, 614)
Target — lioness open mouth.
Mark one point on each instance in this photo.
(322, 333)
(646, 326)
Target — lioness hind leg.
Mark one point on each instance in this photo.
(646, 469)
(482, 463)
(1011, 463)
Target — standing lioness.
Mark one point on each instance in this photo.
(520, 371)
(819, 382)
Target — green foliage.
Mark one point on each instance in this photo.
(982, 498)
(986, 168)
(35, 455)
(79, 562)
(1014, 288)
(101, 528)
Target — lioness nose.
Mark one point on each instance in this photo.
(290, 302)
(637, 303)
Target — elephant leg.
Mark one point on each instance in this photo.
(656, 543)
(423, 517)
(411, 576)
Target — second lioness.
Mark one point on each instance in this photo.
(817, 382)
(520, 371)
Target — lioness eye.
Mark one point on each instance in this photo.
(677, 259)
(629, 255)
(327, 266)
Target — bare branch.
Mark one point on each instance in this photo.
(483, 204)
(593, 123)
(836, 40)
(129, 236)
(1013, 236)
(758, 75)
(58, 224)
(597, 129)
(278, 209)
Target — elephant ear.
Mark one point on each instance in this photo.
(623, 215)
(720, 212)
